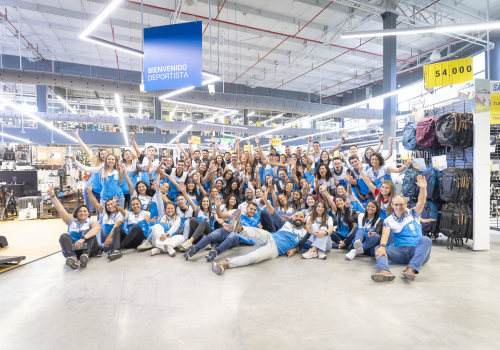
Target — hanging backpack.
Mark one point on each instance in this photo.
(431, 177)
(448, 128)
(426, 133)
(410, 188)
(409, 137)
(430, 211)
(449, 187)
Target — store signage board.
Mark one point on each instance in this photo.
(448, 73)
(276, 142)
(196, 140)
(495, 102)
(173, 56)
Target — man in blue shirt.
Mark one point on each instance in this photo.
(225, 236)
(410, 247)
(271, 245)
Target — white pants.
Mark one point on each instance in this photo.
(324, 243)
(267, 248)
(174, 241)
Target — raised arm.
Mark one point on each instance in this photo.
(178, 141)
(422, 196)
(127, 179)
(250, 156)
(381, 141)
(324, 192)
(172, 181)
(58, 205)
(262, 158)
(309, 146)
(214, 149)
(134, 145)
(220, 214)
(392, 169)
(337, 146)
(196, 209)
(84, 146)
(94, 201)
(88, 169)
(389, 153)
(269, 206)
(365, 178)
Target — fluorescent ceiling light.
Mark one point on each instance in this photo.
(14, 137)
(250, 114)
(278, 116)
(211, 79)
(226, 125)
(217, 117)
(175, 92)
(67, 105)
(120, 115)
(140, 108)
(335, 111)
(105, 109)
(33, 116)
(182, 133)
(421, 30)
(98, 19)
(113, 45)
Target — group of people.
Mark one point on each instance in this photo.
(305, 202)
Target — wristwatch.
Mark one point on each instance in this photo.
(382, 245)
(52, 196)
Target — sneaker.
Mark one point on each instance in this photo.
(208, 247)
(383, 276)
(185, 245)
(71, 262)
(335, 246)
(114, 254)
(352, 254)
(145, 245)
(99, 252)
(211, 255)
(321, 255)
(359, 247)
(234, 220)
(190, 251)
(155, 251)
(84, 259)
(310, 254)
(217, 268)
(170, 251)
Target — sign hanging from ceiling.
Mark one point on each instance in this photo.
(173, 56)
(448, 73)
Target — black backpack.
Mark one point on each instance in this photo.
(455, 129)
(9, 155)
(410, 188)
(449, 186)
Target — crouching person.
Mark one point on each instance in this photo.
(410, 247)
(80, 242)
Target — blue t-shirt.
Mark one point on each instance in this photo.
(288, 237)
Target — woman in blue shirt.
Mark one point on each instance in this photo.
(127, 157)
(82, 230)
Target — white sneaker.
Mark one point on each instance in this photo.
(170, 251)
(359, 247)
(208, 247)
(155, 251)
(351, 254)
(185, 245)
(145, 245)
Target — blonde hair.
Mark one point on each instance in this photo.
(389, 184)
(116, 167)
(96, 161)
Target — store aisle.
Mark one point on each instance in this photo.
(162, 302)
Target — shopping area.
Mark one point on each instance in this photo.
(200, 173)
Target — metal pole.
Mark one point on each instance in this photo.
(19, 36)
(142, 43)
(488, 38)
(223, 59)
(210, 32)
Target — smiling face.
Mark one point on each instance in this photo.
(337, 165)
(219, 159)
(136, 206)
(310, 201)
(298, 151)
(205, 203)
(181, 202)
(205, 154)
(196, 177)
(303, 182)
(320, 208)
(249, 194)
(218, 185)
(234, 185)
(248, 168)
(164, 188)
(316, 147)
(232, 201)
(399, 205)
(83, 214)
(127, 155)
(251, 210)
(214, 193)
(190, 185)
(256, 155)
(259, 193)
(289, 187)
(341, 191)
(353, 150)
(282, 175)
(169, 162)
(324, 157)
(170, 209)
(103, 154)
(109, 206)
(339, 202)
(303, 160)
(203, 166)
(282, 199)
(151, 151)
(374, 161)
(322, 170)
(111, 160)
(296, 196)
(288, 151)
(371, 209)
(229, 175)
(282, 158)
(142, 188)
(385, 189)
(298, 219)
(354, 163)
(234, 159)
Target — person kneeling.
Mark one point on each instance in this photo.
(410, 247)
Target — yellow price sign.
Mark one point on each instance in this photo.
(258, 123)
(196, 140)
(448, 73)
(226, 121)
(274, 125)
(245, 148)
(276, 142)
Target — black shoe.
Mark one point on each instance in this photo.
(99, 252)
(84, 259)
(211, 255)
(190, 251)
(71, 262)
(114, 254)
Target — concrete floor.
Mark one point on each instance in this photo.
(144, 302)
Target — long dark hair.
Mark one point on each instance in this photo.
(229, 191)
(295, 204)
(381, 161)
(209, 207)
(314, 213)
(124, 161)
(375, 216)
(75, 213)
(149, 192)
(195, 189)
(328, 174)
(237, 202)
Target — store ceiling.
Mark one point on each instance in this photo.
(279, 44)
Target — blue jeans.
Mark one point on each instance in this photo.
(415, 257)
(224, 238)
(88, 203)
(271, 222)
(369, 243)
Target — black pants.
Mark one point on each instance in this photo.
(67, 242)
(198, 229)
(127, 200)
(124, 240)
(336, 238)
(267, 222)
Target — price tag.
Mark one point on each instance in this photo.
(448, 73)
(196, 140)
(276, 142)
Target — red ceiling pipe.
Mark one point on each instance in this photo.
(215, 18)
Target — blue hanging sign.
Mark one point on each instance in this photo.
(173, 56)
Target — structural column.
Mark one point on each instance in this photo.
(494, 60)
(245, 119)
(158, 112)
(41, 101)
(389, 81)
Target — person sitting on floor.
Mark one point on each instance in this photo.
(410, 247)
(82, 230)
(320, 226)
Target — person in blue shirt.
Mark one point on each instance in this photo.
(127, 157)
(286, 240)
(410, 247)
(82, 229)
(225, 236)
(110, 219)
